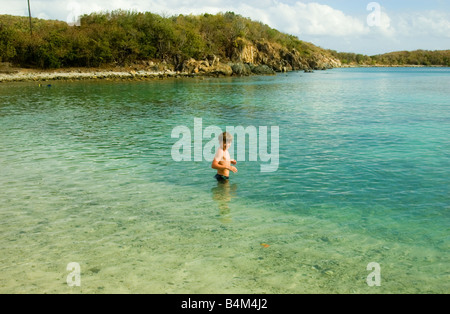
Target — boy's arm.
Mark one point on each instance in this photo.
(215, 165)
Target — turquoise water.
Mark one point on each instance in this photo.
(87, 176)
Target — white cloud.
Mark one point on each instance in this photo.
(297, 18)
(304, 18)
(385, 27)
(317, 19)
(430, 23)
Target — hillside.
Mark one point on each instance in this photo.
(205, 43)
(399, 58)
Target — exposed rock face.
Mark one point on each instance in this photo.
(279, 58)
(262, 69)
(209, 66)
(241, 69)
(247, 54)
(323, 63)
(7, 68)
(221, 69)
(261, 58)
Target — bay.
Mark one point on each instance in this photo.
(87, 176)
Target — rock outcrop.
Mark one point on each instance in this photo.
(241, 69)
(7, 68)
(262, 69)
(279, 58)
(211, 66)
(262, 58)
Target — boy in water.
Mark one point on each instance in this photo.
(222, 161)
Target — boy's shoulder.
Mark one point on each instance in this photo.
(219, 153)
(222, 154)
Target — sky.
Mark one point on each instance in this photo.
(359, 26)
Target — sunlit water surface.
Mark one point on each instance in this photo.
(87, 176)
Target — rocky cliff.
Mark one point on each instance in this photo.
(260, 58)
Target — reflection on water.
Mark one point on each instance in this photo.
(222, 194)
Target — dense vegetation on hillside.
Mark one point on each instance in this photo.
(123, 37)
(418, 57)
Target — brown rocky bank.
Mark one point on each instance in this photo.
(261, 58)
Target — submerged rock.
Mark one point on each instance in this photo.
(328, 272)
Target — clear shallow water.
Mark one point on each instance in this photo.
(87, 176)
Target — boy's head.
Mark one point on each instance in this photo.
(225, 140)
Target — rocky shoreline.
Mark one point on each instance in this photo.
(193, 69)
(42, 76)
(27, 75)
(247, 59)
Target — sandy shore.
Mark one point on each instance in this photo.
(26, 75)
